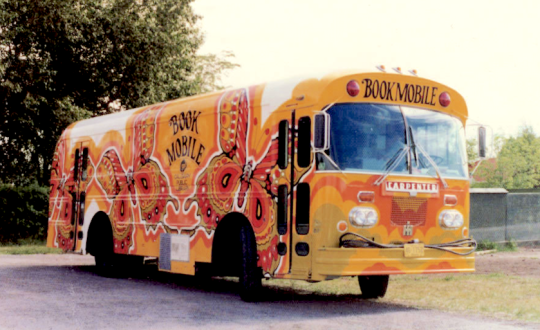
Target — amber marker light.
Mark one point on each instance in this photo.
(444, 99)
(366, 196)
(450, 200)
(353, 88)
(342, 226)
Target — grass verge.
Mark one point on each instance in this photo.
(28, 247)
(510, 246)
(502, 296)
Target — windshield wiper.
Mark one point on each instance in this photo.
(428, 157)
(413, 146)
(392, 164)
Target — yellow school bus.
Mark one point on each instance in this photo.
(349, 174)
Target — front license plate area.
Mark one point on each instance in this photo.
(414, 250)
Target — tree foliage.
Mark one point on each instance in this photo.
(23, 212)
(517, 165)
(66, 60)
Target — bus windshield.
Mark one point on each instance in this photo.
(377, 138)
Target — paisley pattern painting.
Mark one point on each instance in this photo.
(139, 182)
(235, 182)
(138, 190)
(60, 198)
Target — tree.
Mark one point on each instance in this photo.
(518, 163)
(472, 153)
(66, 60)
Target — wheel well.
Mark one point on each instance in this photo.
(100, 236)
(226, 247)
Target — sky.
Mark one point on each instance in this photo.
(489, 51)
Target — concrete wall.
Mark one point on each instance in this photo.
(523, 216)
(498, 215)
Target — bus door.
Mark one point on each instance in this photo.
(294, 197)
(77, 188)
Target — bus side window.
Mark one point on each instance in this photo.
(76, 168)
(304, 141)
(283, 144)
(283, 191)
(302, 208)
(84, 164)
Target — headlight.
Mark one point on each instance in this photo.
(364, 217)
(451, 219)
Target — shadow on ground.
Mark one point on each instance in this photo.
(227, 288)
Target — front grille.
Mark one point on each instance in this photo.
(410, 210)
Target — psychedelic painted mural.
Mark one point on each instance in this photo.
(138, 189)
(180, 167)
(234, 181)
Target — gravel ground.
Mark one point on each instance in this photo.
(62, 292)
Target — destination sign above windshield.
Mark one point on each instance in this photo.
(399, 92)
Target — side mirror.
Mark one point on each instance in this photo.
(322, 132)
(482, 142)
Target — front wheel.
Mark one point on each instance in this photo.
(373, 286)
(250, 275)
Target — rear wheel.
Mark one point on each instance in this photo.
(100, 245)
(373, 286)
(250, 275)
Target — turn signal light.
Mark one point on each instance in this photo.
(366, 196)
(450, 200)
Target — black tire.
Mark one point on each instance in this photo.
(250, 277)
(373, 286)
(100, 245)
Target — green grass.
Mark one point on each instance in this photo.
(485, 245)
(507, 297)
(27, 247)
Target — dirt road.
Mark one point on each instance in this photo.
(62, 292)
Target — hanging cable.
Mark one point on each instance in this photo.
(365, 242)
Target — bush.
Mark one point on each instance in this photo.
(23, 212)
(505, 246)
(487, 245)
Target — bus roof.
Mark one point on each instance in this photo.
(310, 90)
